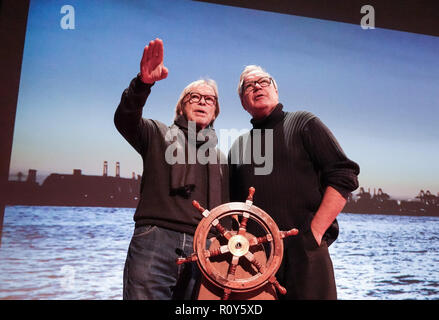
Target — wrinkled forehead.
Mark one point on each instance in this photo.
(203, 89)
(255, 75)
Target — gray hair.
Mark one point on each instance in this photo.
(211, 83)
(249, 69)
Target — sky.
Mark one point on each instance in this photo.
(377, 90)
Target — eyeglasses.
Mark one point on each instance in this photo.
(196, 97)
(263, 82)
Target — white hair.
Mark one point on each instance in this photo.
(209, 82)
(251, 69)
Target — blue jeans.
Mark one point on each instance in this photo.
(151, 272)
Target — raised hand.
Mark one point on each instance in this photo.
(151, 66)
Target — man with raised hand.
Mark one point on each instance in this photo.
(165, 220)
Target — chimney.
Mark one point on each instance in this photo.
(134, 175)
(117, 169)
(32, 176)
(105, 169)
(77, 172)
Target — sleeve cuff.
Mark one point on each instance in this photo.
(138, 86)
(343, 192)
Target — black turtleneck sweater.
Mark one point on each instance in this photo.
(306, 159)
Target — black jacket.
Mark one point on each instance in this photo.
(157, 206)
(306, 159)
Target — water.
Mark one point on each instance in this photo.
(64, 252)
(387, 257)
(79, 253)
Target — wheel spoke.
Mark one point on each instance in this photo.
(251, 192)
(256, 241)
(226, 294)
(232, 268)
(223, 231)
(217, 251)
(243, 224)
(251, 258)
(277, 285)
(192, 257)
(292, 232)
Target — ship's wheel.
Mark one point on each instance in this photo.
(237, 261)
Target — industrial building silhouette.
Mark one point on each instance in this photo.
(79, 190)
(76, 189)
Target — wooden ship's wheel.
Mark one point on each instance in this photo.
(237, 264)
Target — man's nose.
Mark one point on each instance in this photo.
(202, 101)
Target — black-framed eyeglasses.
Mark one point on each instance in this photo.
(250, 85)
(195, 97)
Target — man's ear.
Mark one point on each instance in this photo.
(275, 88)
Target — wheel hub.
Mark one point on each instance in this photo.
(238, 245)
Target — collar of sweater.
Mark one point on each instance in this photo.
(201, 136)
(270, 121)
